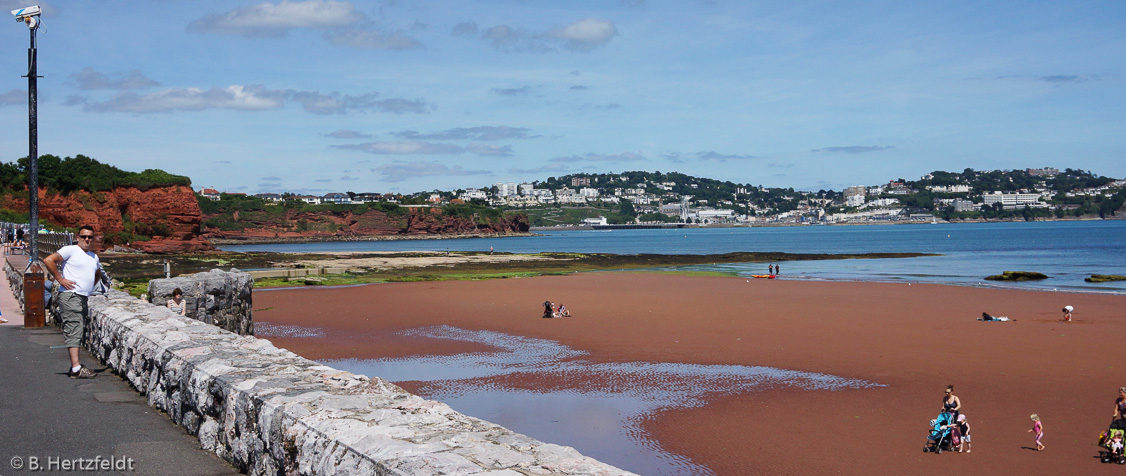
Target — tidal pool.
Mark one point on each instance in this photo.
(595, 407)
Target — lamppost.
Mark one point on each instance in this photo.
(33, 311)
(30, 16)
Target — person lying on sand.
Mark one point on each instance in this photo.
(986, 317)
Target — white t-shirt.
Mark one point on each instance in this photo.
(80, 266)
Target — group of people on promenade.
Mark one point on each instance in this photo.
(13, 240)
(953, 405)
(550, 310)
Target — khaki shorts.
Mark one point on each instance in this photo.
(73, 311)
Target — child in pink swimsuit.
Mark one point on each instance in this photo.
(1038, 428)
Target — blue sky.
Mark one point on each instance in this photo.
(405, 96)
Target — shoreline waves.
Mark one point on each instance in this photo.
(912, 339)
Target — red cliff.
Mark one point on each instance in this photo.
(169, 215)
(343, 224)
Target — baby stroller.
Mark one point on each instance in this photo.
(1109, 450)
(941, 438)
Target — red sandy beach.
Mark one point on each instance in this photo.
(914, 339)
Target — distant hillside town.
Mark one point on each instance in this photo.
(655, 197)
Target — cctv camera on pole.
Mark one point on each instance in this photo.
(30, 16)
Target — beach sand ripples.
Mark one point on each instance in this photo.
(551, 392)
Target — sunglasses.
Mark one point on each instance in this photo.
(85, 237)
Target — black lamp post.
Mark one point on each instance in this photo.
(30, 16)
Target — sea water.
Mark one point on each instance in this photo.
(1066, 251)
(600, 407)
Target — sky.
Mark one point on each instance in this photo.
(403, 96)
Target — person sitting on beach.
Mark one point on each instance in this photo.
(1067, 313)
(563, 311)
(548, 310)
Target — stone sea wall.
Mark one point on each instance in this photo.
(222, 298)
(269, 411)
(15, 277)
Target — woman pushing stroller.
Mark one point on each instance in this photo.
(950, 403)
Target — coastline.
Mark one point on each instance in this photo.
(334, 238)
(900, 222)
(913, 339)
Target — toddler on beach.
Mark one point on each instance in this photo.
(1038, 428)
(964, 430)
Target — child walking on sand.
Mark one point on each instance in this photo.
(964, 429)
(1038, 428)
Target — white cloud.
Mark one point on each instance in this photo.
(491, 150)
(581, 36)
(88, 79)
(484, 133)
(276, 19)
(14, 97)
(713, 155)
(399, 171)
(586, 35)
(373, 40)
(856, 149)
(405, 147)
(242, 98)
(249, 98)
(550, 168)
(622, 157)
(347, 134)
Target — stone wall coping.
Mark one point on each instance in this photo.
(269, 411)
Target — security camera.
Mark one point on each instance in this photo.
(24, 13)
(29, 15)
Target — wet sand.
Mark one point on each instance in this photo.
(914, 339)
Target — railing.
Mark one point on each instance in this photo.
(48, 242)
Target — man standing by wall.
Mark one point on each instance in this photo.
(76, 269)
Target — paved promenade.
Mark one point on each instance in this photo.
(47, 418)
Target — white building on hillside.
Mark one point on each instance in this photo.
(949, 188)
(473, 193)
(505, 189)
(1012, 199)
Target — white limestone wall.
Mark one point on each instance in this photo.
(269, 411)
(223, 298)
